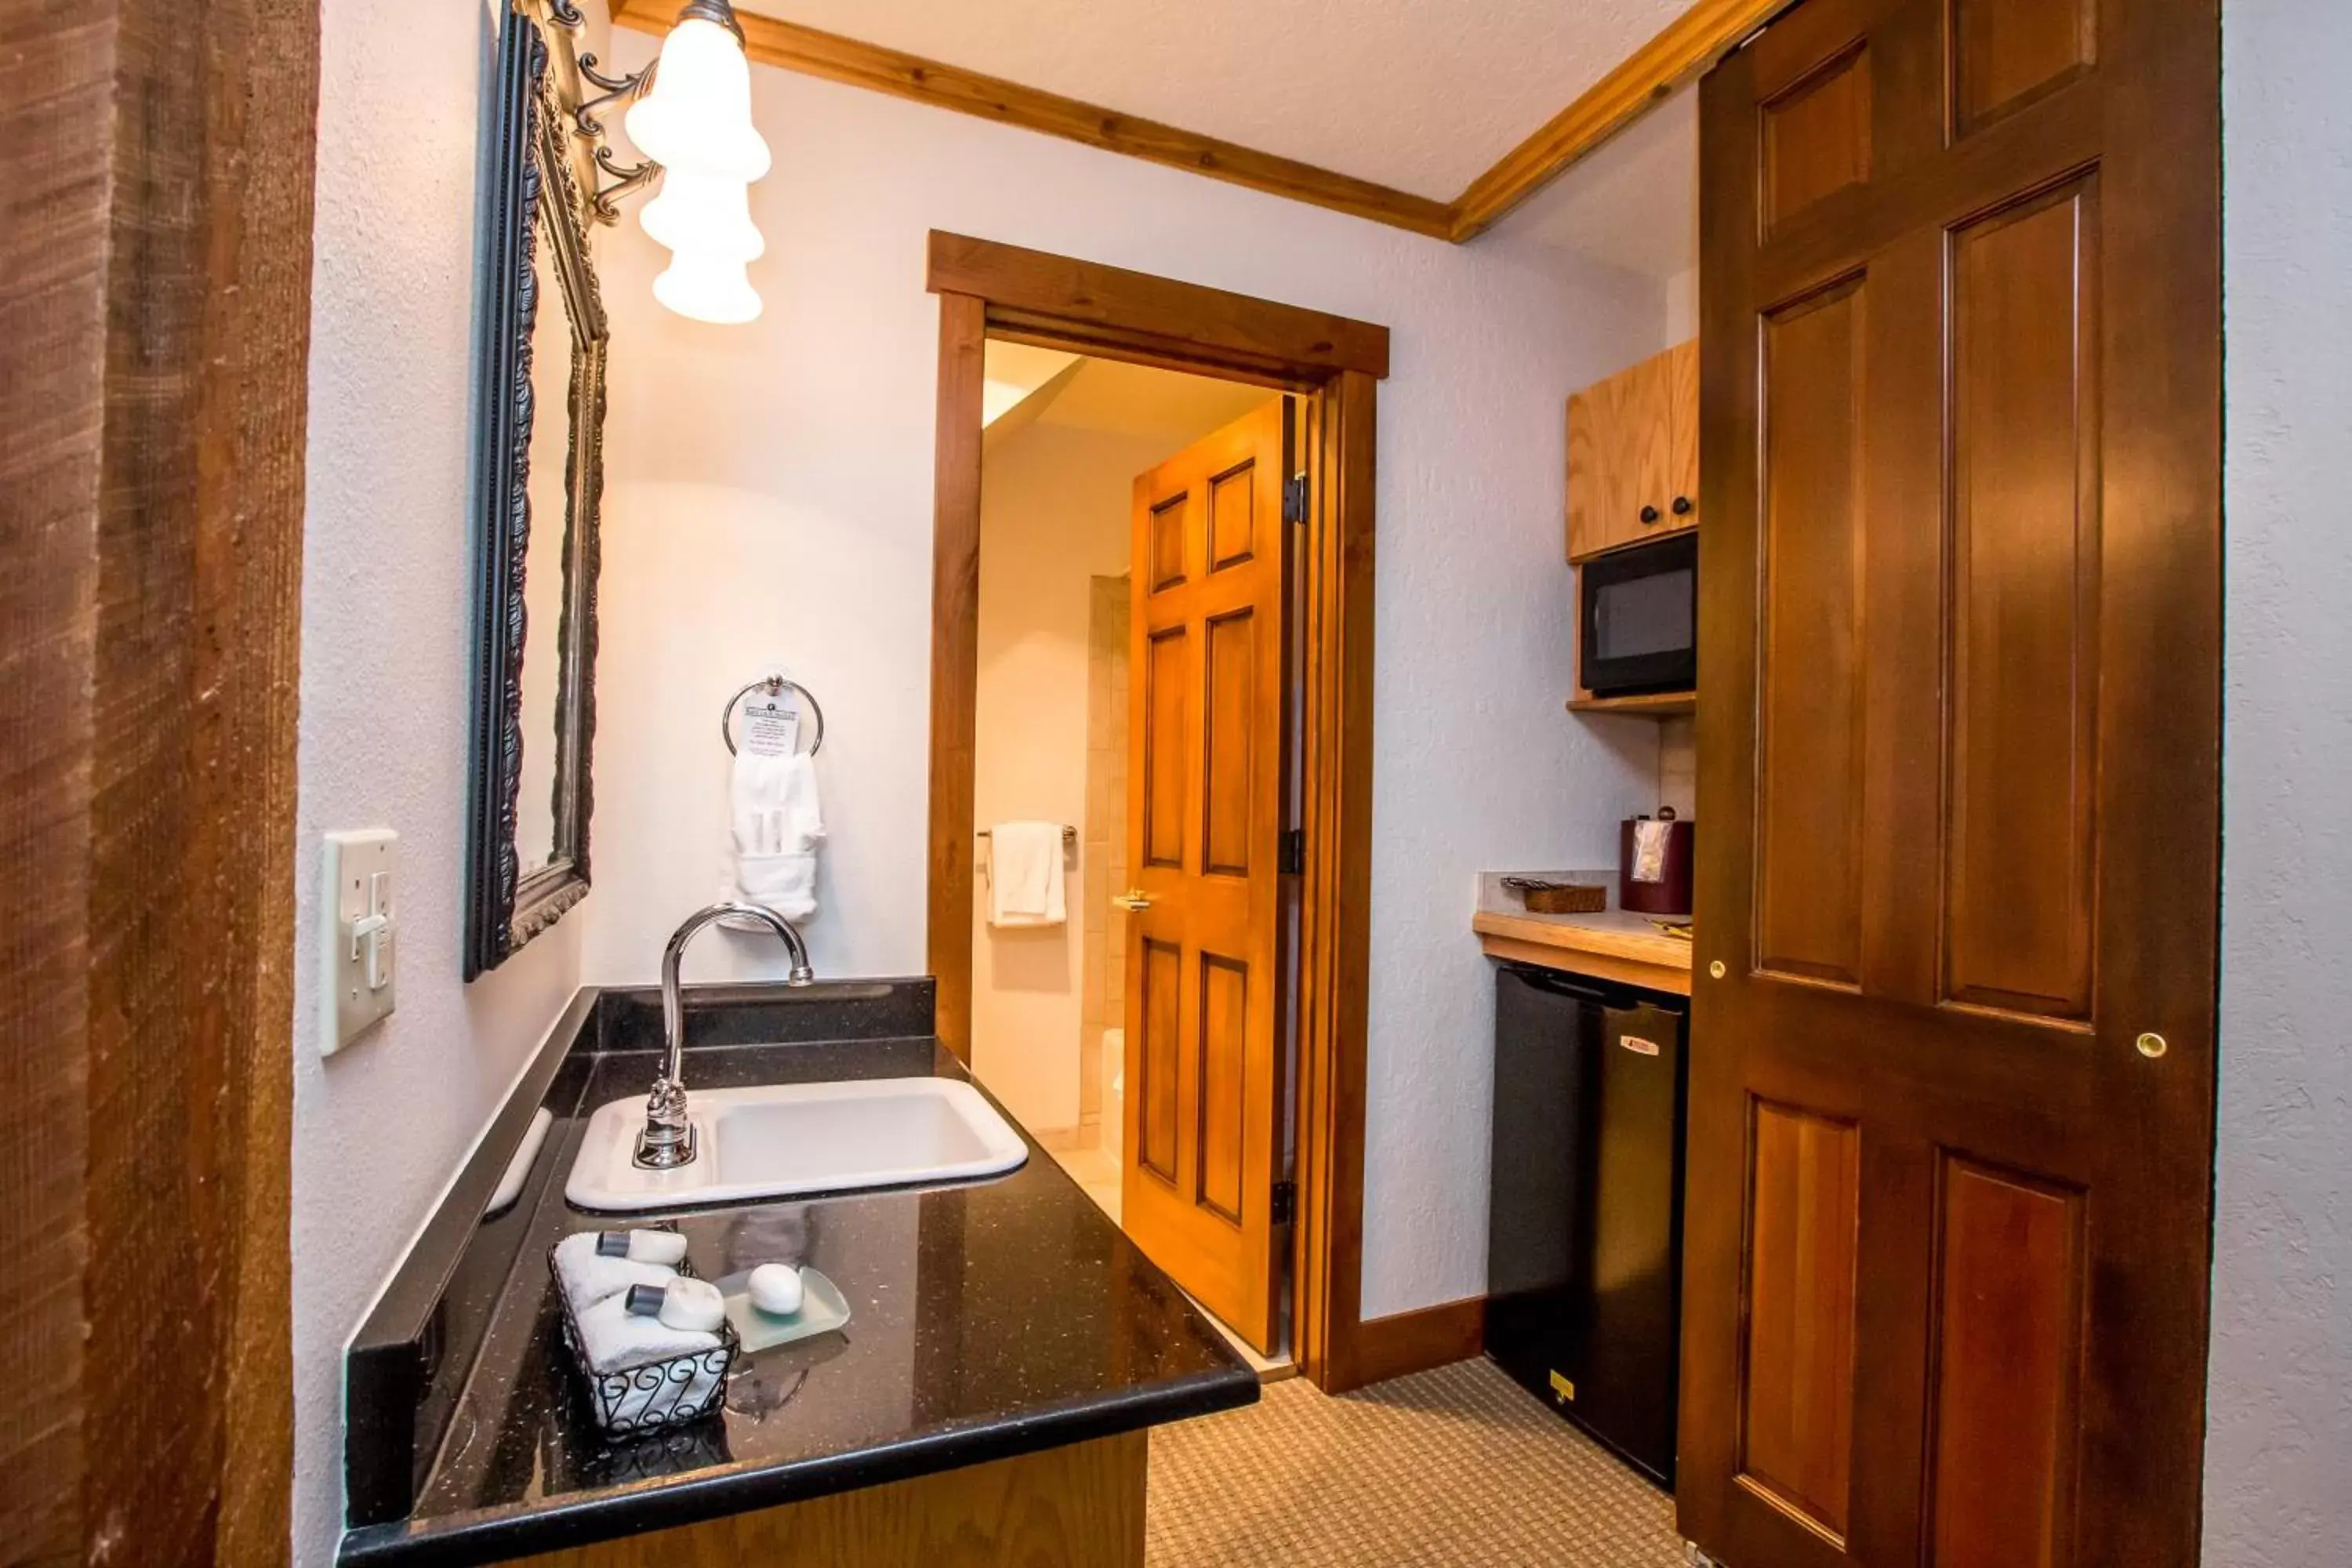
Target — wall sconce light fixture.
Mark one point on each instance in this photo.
(689, 114)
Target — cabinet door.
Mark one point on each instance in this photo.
(1618, 440)
(1681, 373)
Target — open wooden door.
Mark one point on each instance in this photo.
(1204, 1098)
(1952, 1075)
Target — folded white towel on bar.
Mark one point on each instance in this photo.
(1024, 874)
(777, 821)
(588, 1277)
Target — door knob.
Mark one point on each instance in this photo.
(1134, 901)
(1682, 506)
(1649, 514)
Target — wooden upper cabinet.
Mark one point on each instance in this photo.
(1632, 454)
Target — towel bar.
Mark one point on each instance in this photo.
(1069, 834)
(775, 685)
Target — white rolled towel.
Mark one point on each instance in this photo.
(589, 1278)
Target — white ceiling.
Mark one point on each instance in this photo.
(1108, 396)
(1422, 95)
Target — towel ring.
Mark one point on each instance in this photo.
(774, 685)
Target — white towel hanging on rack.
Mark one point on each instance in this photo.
(775, 820)
(1024, 874)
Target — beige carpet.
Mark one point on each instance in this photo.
(1459, 1466)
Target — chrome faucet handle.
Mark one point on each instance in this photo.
(666, 1140)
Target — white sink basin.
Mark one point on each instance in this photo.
(785, 1139)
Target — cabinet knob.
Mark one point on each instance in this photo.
(1682, 506)
(1649, 514)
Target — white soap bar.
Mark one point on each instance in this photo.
(657, 1246)
(775, 1288)
(694, 1304)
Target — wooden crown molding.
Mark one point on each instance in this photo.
(807, 51)
(1684, 49)
(1683, 52)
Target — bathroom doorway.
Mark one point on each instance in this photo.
(1119, 821)
(1260, 1208)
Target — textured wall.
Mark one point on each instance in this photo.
(772, 494)
(380, 1128)
(2279, 1454)
(1053, 517)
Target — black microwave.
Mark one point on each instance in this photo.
(1640, 613)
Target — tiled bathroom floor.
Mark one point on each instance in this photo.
(1098, 1171)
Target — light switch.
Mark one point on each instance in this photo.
(358, 934)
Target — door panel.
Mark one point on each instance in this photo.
(1948, 1229)
(1204, 816)
(1227, 765)
(2009, 1261)
(1809, 798)
(1817, 135)
(1165, 732)
(1797, 1402)
(2024, 636)
(2006, 51)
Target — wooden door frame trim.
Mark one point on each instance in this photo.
(1678, 55)
(988, 289)
(159, 297)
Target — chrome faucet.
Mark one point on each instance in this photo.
(667, 1139)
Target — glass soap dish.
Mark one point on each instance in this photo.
(823, 1309)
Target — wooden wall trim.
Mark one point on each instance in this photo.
(1406, 1343)
(1334, 907)
(1188, 321)
(1679, 54)
(955, 661)
(832, 58)
(1062, 302)
(157, 290)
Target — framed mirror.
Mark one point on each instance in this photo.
(540, 419)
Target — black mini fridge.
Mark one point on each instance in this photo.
(1584, 1234)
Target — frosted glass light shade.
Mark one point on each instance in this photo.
(704, 288)
(698, 114)
(703, 215)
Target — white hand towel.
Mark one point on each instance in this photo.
(1024, 874)
(590, 1278)
(777, 821)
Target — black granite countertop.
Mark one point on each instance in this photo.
(988, 1318)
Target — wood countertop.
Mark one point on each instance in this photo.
(1609, 945)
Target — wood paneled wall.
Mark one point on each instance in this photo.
(156, 298)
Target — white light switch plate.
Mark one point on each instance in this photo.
(357, 934)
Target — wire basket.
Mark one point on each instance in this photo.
(658, 1395)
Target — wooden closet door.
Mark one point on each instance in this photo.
(1952, 1067)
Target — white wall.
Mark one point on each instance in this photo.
(387, 601)
(770, 494)
(1053, 516)
(2278, 1469)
